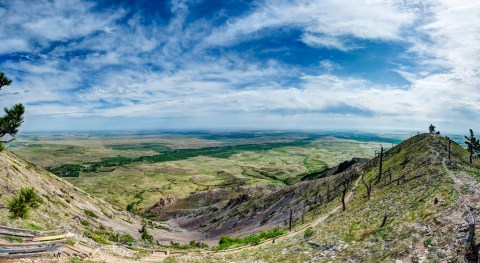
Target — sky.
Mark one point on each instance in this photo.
(221, 64)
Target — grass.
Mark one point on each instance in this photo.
(97, 238)
(190, 164)
(416, 223)
(308, 232)
(90, 213)
(229, 242)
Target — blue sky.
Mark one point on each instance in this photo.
(94, 65)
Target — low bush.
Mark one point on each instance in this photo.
(308, 232)
(19, 205)
(90, 213)
(192, 244)
(97, 238)
(127, 239)
(145, 235)
(228, 242)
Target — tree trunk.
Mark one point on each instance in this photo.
(380, 165)
(290, 221)
(471, 250)
(368, 186)
(384, 220)
(449, 153)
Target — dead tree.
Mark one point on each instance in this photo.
(303, 213)
(470, 249)
(449, 148)
(380, 164)
(384, 220)
(344, 192)
(290, 221)
(367, 185)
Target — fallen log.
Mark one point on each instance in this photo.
(28, 255)
(48, 238)
(34, 244)
(29, 250)
(15, 234)
(31, 232)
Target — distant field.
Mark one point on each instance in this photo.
(134, 170)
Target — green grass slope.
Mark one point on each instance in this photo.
(424, 201)
(66, 207)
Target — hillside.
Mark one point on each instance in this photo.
(415, 212)
(247, 210)
(66, 207)
(423, 199)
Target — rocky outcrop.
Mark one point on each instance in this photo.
(163, 203)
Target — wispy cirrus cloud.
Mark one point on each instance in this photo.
(284, 62)
(323, 23)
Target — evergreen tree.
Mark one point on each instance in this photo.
(431, 128)
(13, 118)
(145, 235)
(473, 144)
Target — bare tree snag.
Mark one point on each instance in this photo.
(384, 220)
(344, 193)
(290, 221)
(449, 149)
(471, 249)
(303, 213)
(380, 164)
(368, 186)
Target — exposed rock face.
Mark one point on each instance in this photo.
(163, 203)
(342, 167)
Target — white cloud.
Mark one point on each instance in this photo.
(114, 78)
(324, 23)
(42, 21)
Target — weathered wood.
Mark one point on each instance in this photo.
(29, 250)
(470, 248)
(34, 244)
(48, 238)
(79, 250)
(14, 229)
(15, 234)
(27, 255)
(31, 232)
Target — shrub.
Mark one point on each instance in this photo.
(227, 242)
(19, 205)
(190, 245)
(97, 238)
(127, 239)
(31, 197)
(90, 213)
(145, 235)
(308, 232)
